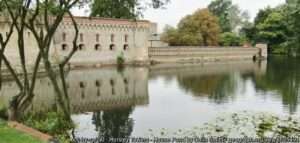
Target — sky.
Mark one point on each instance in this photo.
(177, 9)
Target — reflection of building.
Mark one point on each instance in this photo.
(91, 90)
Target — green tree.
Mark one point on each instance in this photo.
(273, 29)
(199, 29)
(207, 25)
(293, 14)
(272, 26)
(230, 16)
(262, 15)
(220, 8)
(127, 9)
(170, 35)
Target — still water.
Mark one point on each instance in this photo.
(132, 101)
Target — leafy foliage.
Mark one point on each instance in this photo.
(200, 28)
(230, 16)
(127, 9)
(273, 30)
(293, 14)
(53, 123)
(231, 39)
(277, 27)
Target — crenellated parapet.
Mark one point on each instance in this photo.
(107, 23)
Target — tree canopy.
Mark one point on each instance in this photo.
(127, 9)
(200, 28)
(278, 27)
(230, 16)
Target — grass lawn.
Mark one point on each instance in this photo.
(10, 135)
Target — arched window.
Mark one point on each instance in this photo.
(81, 37)
(112, 47)
(64, 36)
(97, 47)
(64, 47)
(125, 47)
(97, 37)
(126, 38)
(112, 37)
(81, 46)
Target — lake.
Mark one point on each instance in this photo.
(131, 101)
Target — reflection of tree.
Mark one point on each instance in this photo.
(55, 121)
(113, 123)
(282, 76)
(217, 87)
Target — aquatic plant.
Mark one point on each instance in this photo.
(239, 125)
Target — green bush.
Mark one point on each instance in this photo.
(231, 39)
(120, 60)
(53, 123)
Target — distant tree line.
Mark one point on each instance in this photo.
(279, 27)
(223, 23)
(218, 24)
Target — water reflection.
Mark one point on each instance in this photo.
(90, 90)
(282, 76)
(106, 89)
(113, 123)
(218, 82)
(109, 94)
(110, 102)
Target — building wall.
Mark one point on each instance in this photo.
(137, 33)
(204, 54)
(11, 51)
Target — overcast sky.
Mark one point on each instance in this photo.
(179, 8)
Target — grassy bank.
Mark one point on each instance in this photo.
(10, 135)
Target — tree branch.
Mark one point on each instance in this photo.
(75, 46)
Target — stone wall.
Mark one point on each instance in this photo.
(104, 40)
(205, 54)
(101, 41)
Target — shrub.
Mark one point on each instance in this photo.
(53, 123)
(231, 39)
(120, 60)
